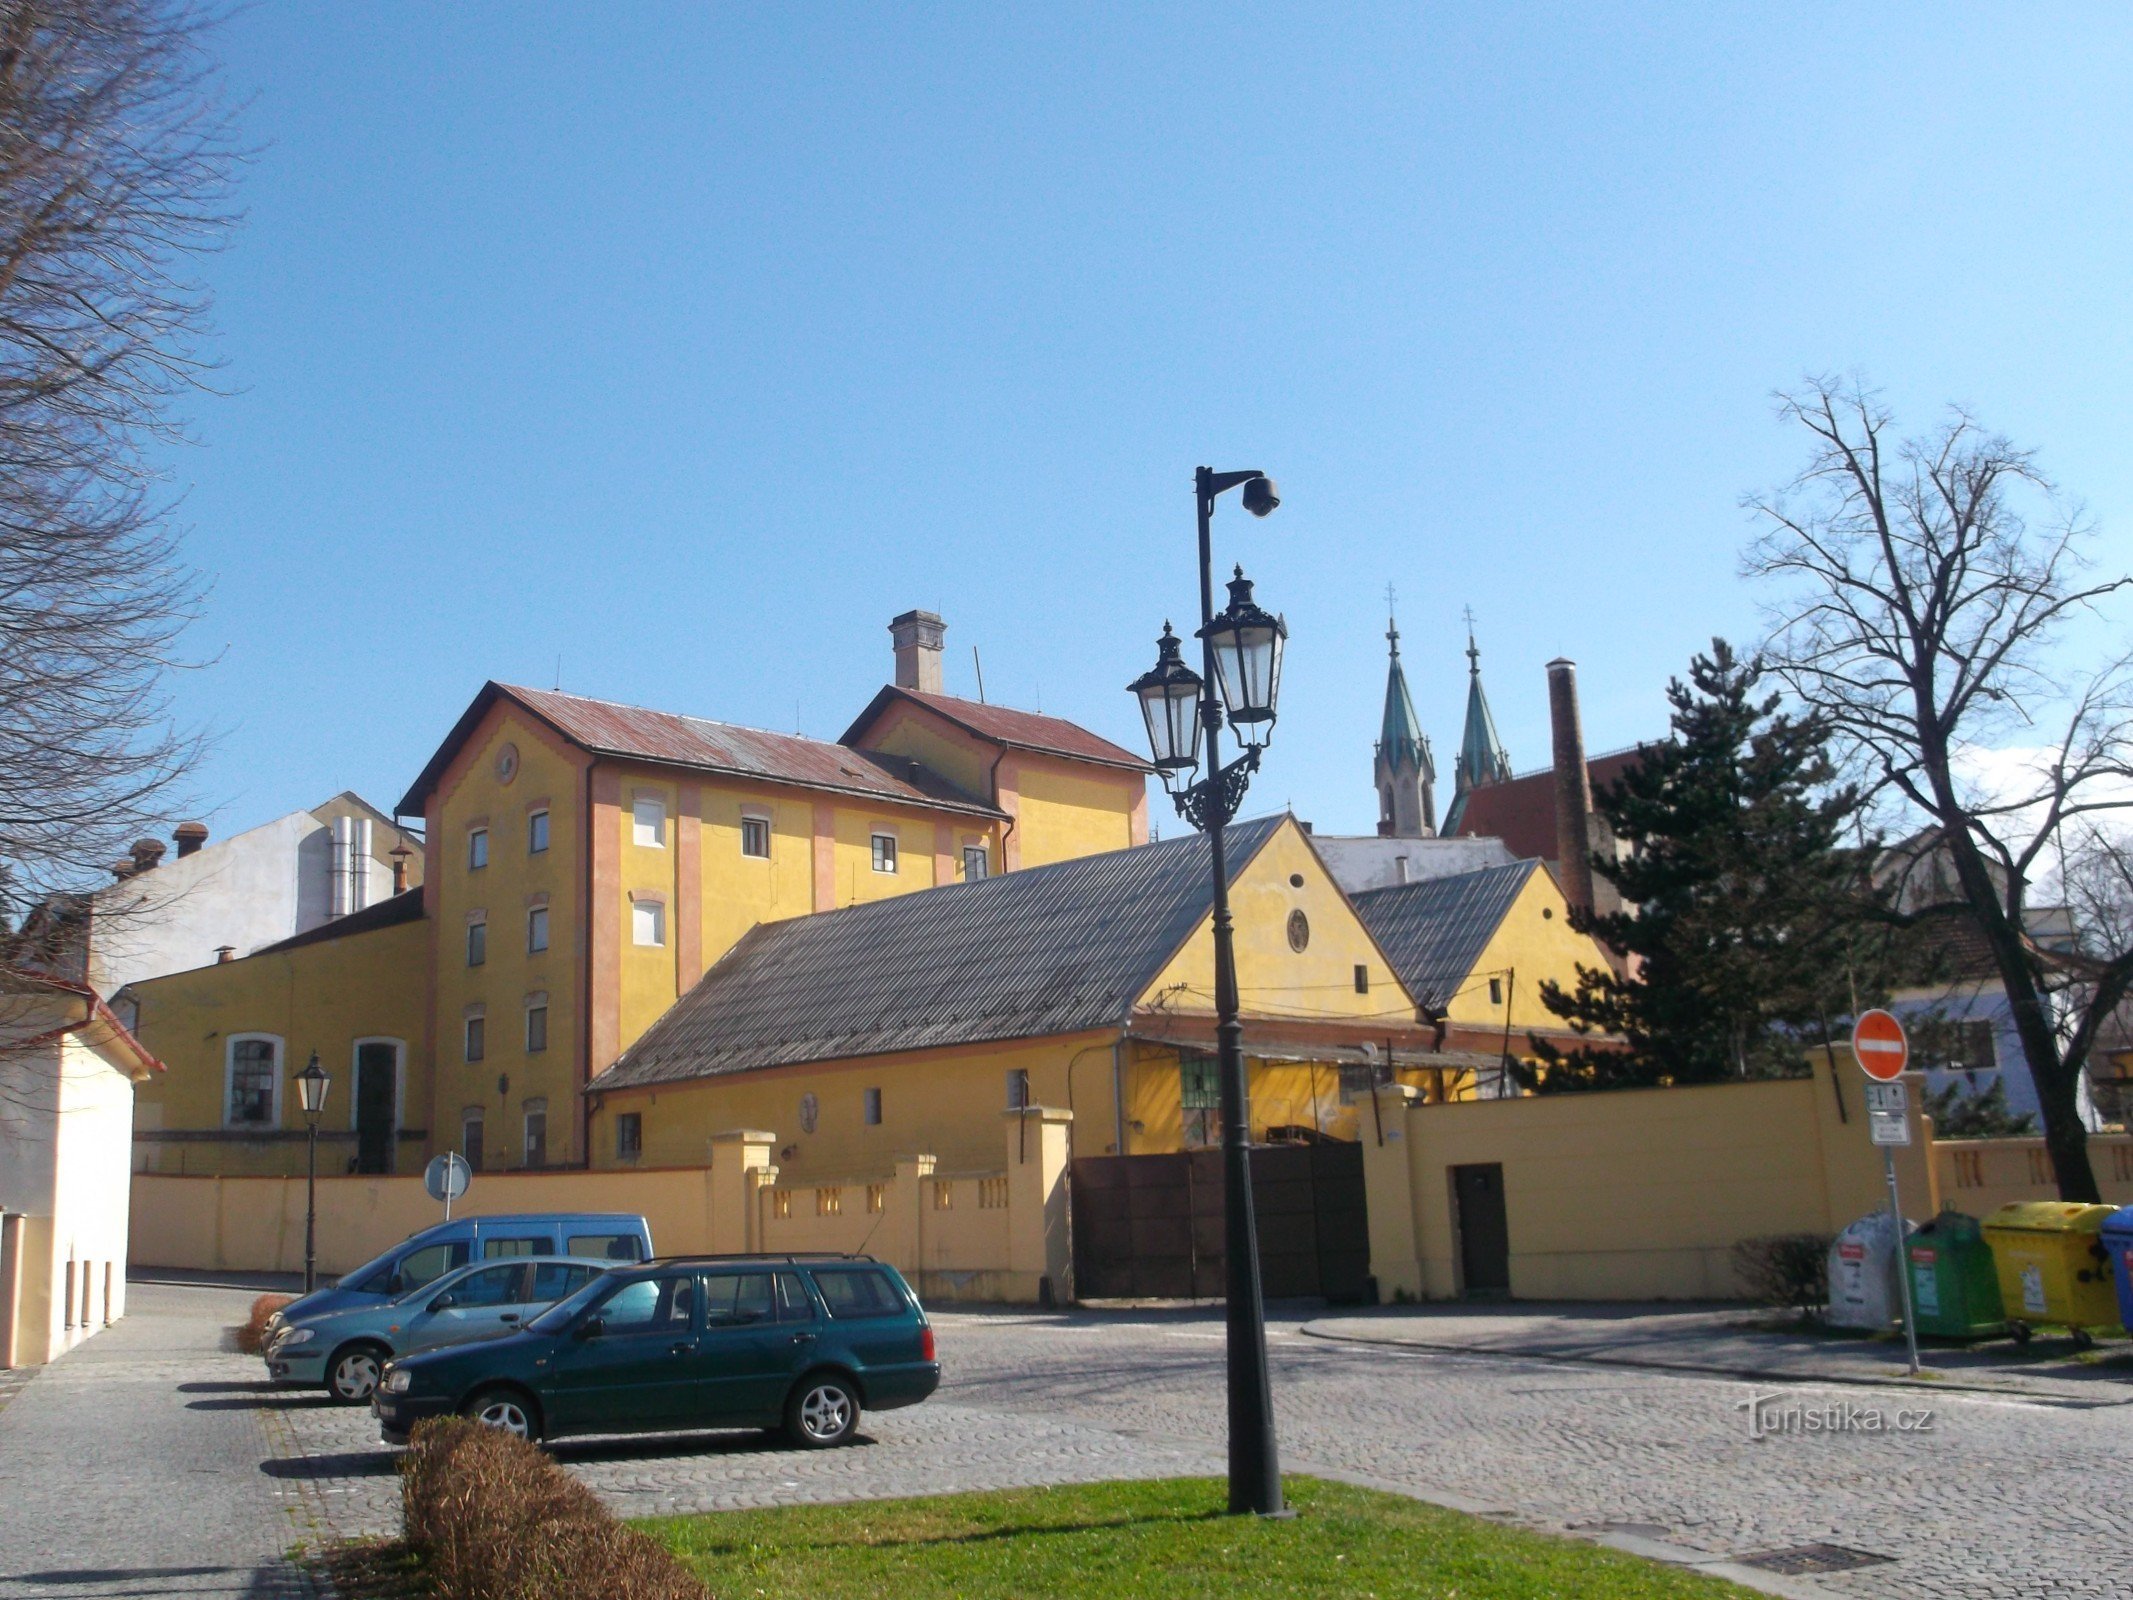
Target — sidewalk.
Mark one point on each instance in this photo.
(131, 1465)
(1740, 1342)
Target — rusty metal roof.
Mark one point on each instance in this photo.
(1020, 730)
(1048, 950)
(1434, 931)
(608, 729)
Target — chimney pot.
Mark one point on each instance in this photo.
(147, 854)
(225, 952)
(1573, 785)
(123, 868)
(400, 853)
(190, 836)
(920, 638)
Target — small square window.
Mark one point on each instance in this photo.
(477, 1038)
(477, 943)
(755, 837)
(648, 823)
(976, 864)
(477, 847)
(629, 1135)
(884, 852)
(537, 929)
(873, 1108)
(536, 833)
(648, 923)
(536, 1028)
(1362, 978)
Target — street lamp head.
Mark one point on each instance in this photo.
(1247, 645)
(311, 1086)
(1169, 693)
(1260, 496)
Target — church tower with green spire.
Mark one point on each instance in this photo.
(1482, 758)
(1406, 773)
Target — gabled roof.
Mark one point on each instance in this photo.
(98, 1022)
(1400, 735)
(1003, 725)
(1521, 812)
(394, 909)
(607, 729)
(1047, 950)
(1434, 931)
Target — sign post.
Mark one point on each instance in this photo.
(1882, 1051)
(446, 1178)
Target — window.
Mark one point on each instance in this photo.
(1200, 1100)
(470, 1137)
(537, 930)
(648, 822)
(859, 1292)
(884, 852)
(1496, 991)
(536, 1133)
(536, 1028)
(648, 922)
(975, 862)
(1362, 978)
(649, 1305)
(523, 1245)
(755, 837)
(254, 1077)
(736, 1299)
(477, 847)
(430, 1263)
(629, 1135)
(606, 1246)
(1358, 1079)
(492, 1286)
(872, 1113)
(794, 1303)
(553, 1279)
(477, 1038)
(1954, 1046)
(536, 832)
(1017, 1088)
(477, 943)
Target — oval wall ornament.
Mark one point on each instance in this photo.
(1299, 931)
(507, 763)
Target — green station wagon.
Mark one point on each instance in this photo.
(798, 1342)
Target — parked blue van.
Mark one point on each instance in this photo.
(422, 1257)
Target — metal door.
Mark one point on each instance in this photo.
(377, 1068)
(1484, 1230)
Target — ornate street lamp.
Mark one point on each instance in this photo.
(311, 1086)
(1240, 653)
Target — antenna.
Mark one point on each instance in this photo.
(559, 671)
(980, 666)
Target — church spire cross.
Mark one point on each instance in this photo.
(1392, 621)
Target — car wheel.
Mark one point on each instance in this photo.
(353, 1373)
(506, 1410)
(823, 1411)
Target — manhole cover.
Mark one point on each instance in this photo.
(1804, 1559)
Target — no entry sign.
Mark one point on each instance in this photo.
(1880, 1046)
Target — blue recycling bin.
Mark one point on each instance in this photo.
(2118, 1242)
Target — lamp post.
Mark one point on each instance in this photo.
(311, 1086)
(1240, 655)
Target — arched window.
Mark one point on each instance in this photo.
(251, 1081)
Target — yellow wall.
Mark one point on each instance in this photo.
(1535, 943)
(1978, 1176)
(1064, 809)
(474, 792)
(963, 759)
(321, 997)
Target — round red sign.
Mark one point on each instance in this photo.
(1879, 1044)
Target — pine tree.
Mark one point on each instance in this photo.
(1747, 921)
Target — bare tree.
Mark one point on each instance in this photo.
(116, 159)
(1924, 614)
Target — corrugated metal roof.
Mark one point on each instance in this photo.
(1434, 931)
(1024, 730)
(1047, 950)
(608, 729)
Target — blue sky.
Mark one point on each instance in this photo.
(688, 344)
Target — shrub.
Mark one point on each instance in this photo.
(495, 1519)
(1786, 1269)
(252, 1336)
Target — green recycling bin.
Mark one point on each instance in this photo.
(1955, 1286)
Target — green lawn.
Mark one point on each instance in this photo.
(1168, 1538)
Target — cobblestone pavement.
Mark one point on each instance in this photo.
(131, 1465)
(1998, 1497)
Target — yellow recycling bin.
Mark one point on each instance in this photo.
(2052, 1265)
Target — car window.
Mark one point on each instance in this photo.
(735, 1299)
(552, 1279)
(795, 1304)
(853, 1292)
(606, 1246)
(497, 1249)
(567, 1310)
(650, 1305)
(492, 1286)
(431, 1262)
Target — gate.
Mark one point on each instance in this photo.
(1151, 1227)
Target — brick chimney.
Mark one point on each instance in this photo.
(147, 855)
(919, 637)
(1573, 785)
(400, 853)
(190, 836)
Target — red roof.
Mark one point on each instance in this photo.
(1522, 812)
(1020, 730)
(607, 729)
